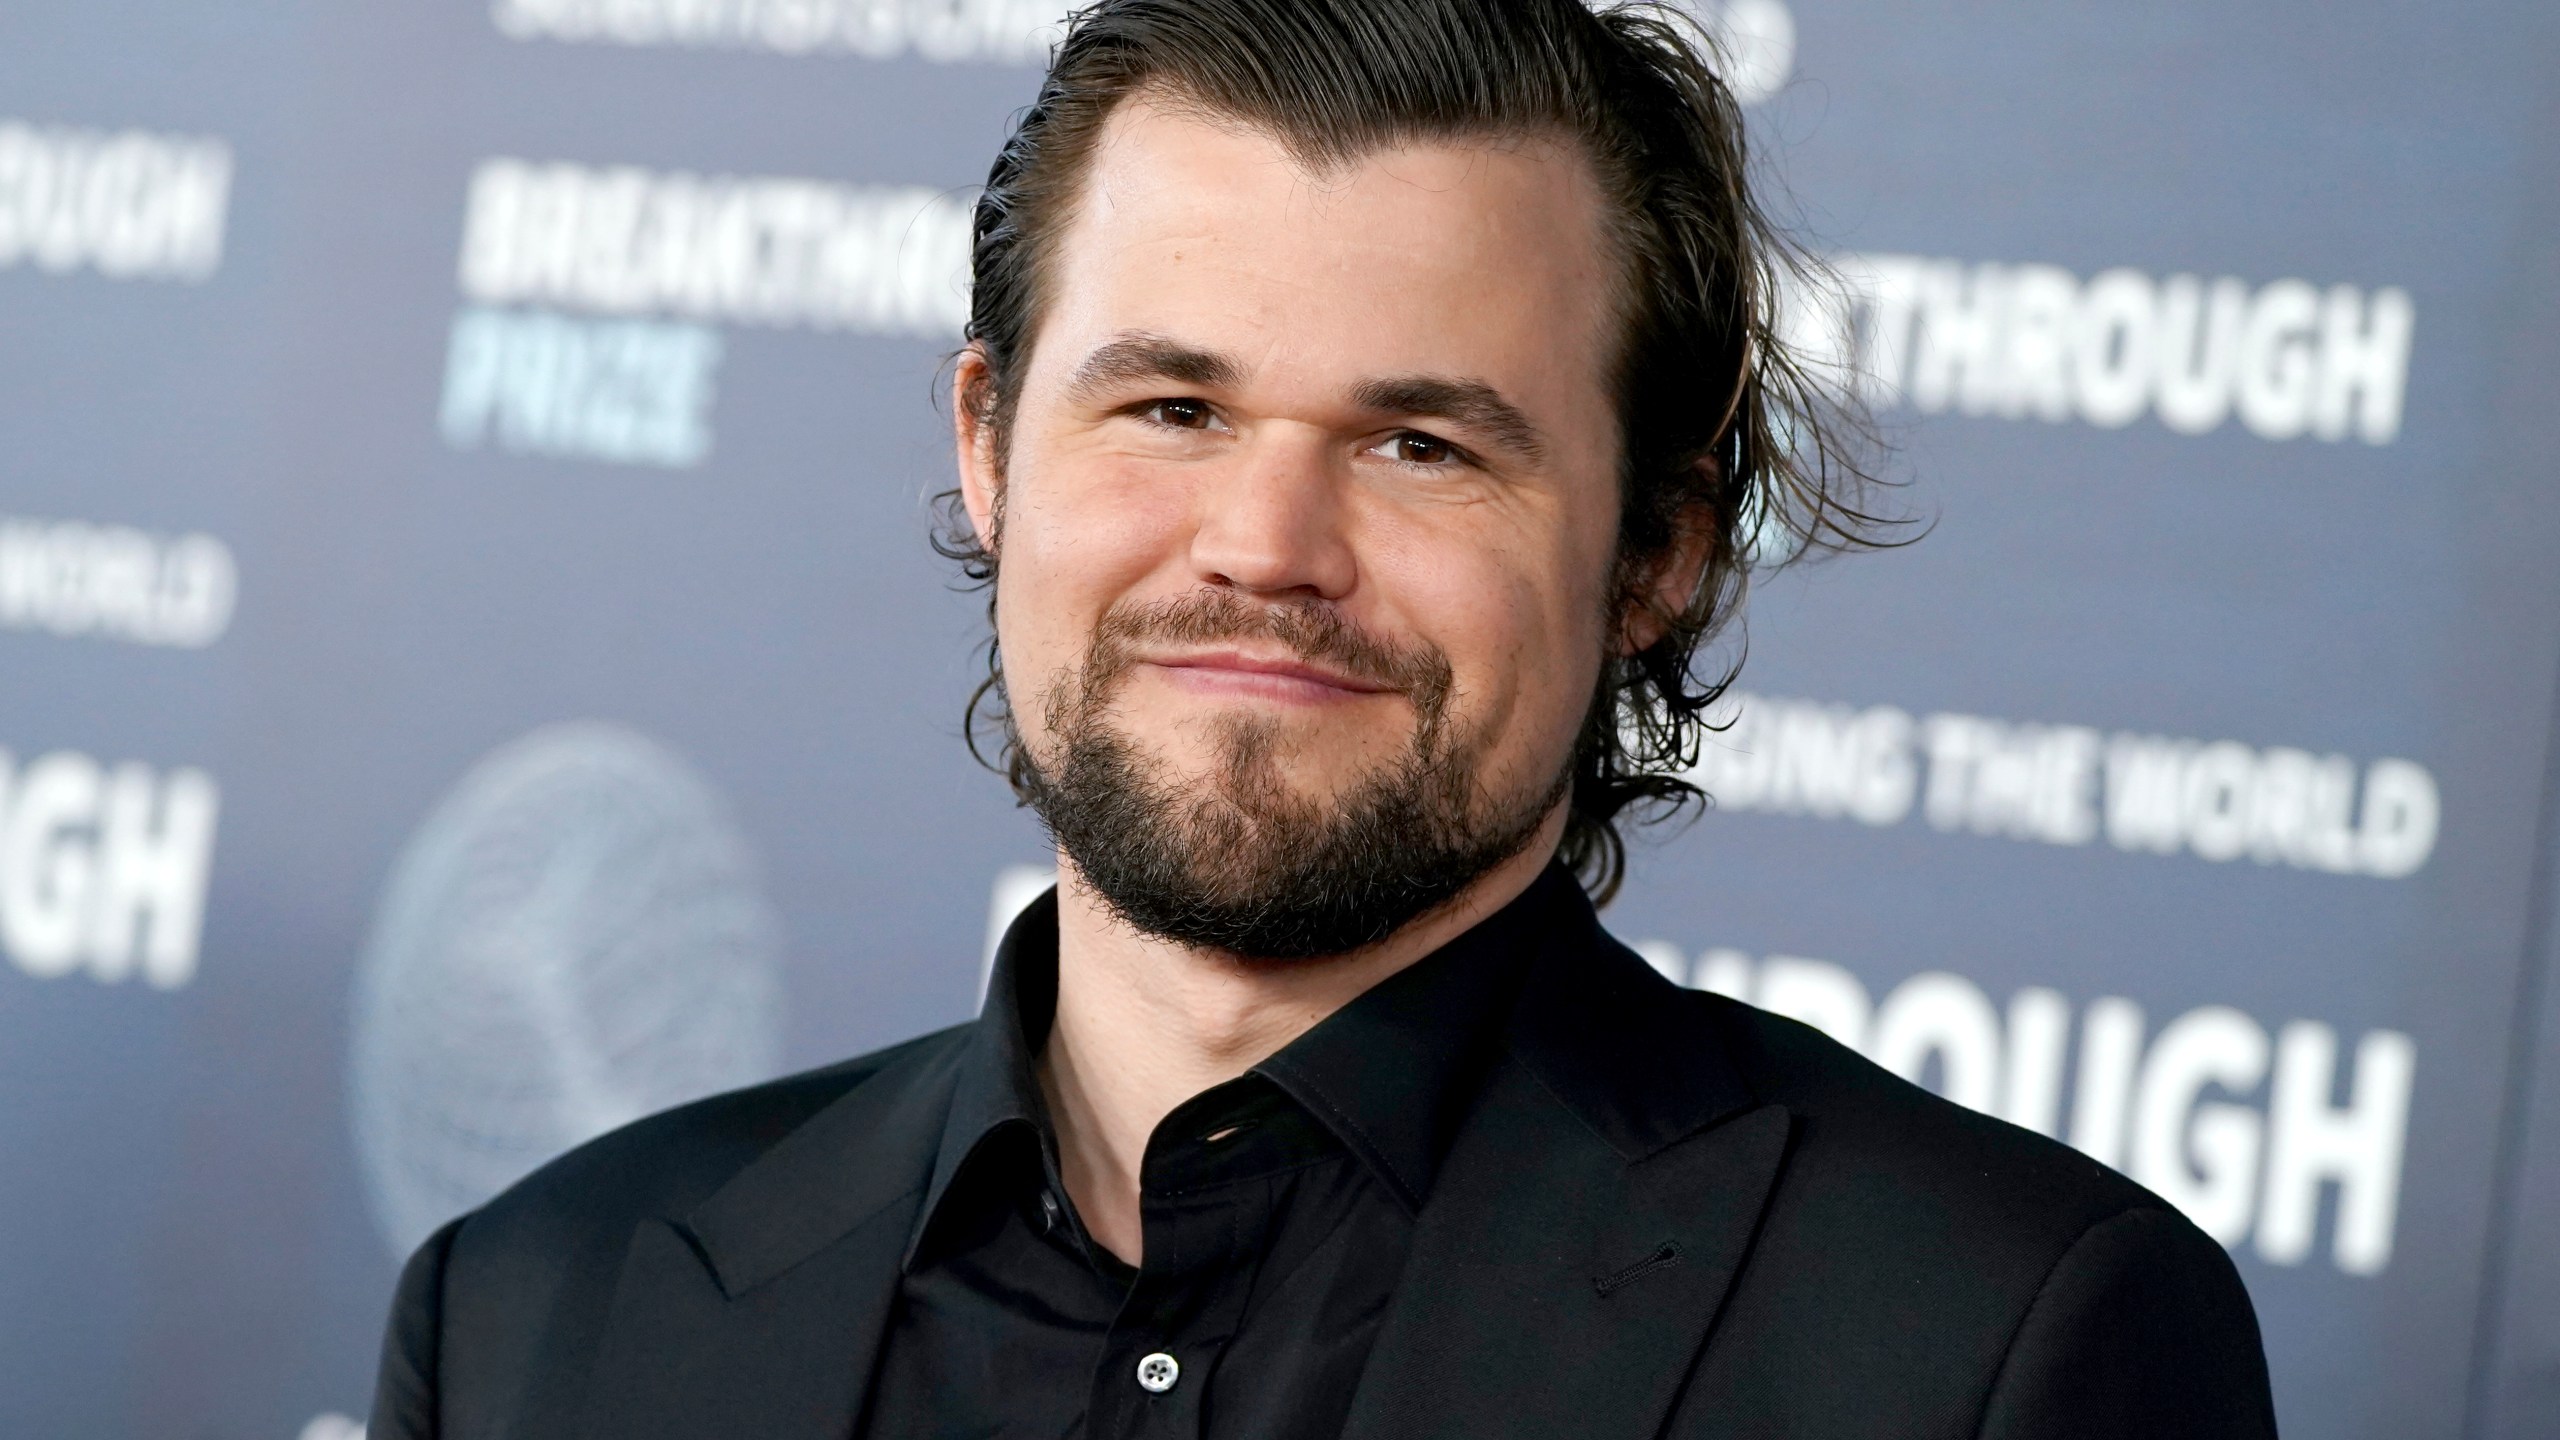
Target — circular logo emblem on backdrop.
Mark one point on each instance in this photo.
(575, 938)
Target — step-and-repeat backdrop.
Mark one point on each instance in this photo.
(471, 671)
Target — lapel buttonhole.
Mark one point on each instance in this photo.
(1664, 1254)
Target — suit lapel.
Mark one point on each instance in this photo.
(761, 1312)
(1587, 1222)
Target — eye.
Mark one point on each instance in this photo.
(1412, 447)
(1181, 414)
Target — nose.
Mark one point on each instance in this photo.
(1275, 524)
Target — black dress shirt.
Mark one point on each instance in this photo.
(1277, 1212)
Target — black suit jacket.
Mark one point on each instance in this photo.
(1668, 1215)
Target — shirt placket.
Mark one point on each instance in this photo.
(1152, 1379)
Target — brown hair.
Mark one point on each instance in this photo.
(1725, 426)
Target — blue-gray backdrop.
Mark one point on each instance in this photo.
(474, 674)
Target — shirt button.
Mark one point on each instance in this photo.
(1157, 1372)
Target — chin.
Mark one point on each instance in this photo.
(1198, 739)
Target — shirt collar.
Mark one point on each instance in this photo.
(1390, 1074)
(1393, 1072)
(998, 1089)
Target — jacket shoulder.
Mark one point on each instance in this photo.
(1909, 1240)
(1867, 1149)
(502, 1307)
(544, 1256)
(1892, 1153)
(668, 1163)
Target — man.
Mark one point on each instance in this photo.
(1367, 409)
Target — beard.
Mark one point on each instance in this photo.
(1241, 861)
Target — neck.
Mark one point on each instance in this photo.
(1144, 1024)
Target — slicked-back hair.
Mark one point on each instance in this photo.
(1726, 431)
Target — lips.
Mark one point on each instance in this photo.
(1278, 671)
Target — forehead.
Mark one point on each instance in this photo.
(1473, 256)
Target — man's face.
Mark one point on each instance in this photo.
(1309, 511)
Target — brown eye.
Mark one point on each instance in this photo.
(1422, 450)
(1180, 414)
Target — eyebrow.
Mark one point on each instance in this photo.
(1471, 403)
(1138, 355)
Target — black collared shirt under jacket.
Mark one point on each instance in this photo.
(1277, 1208)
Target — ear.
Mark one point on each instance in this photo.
(974, 440)
(1670, 583)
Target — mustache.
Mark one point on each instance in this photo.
(1315, 631)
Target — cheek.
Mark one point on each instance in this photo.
(1522, 629)
(1075, 540)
